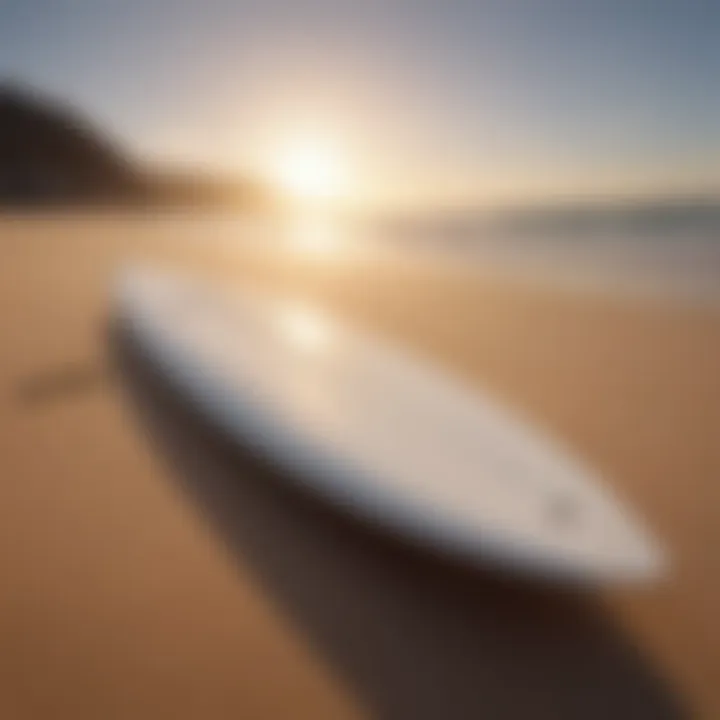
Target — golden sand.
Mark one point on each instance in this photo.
(117, 602)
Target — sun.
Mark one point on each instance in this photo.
(311, 169)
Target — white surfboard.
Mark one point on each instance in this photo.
(381, 433)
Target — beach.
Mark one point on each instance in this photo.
(119, 601)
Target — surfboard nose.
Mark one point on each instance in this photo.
(644, 559)
(621, 548)
(600, 538)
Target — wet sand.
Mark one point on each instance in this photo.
(118, 598)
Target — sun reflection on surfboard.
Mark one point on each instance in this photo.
(305, 329)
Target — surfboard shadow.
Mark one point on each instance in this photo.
(414, 636)
(68, 380)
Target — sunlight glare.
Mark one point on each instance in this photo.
(311, 169)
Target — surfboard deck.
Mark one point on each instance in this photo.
(382, 433)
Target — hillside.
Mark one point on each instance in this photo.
(51, 155)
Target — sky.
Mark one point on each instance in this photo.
(444, 101)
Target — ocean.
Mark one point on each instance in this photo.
(658, 251)
(670, 248)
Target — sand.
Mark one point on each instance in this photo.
(117, 598)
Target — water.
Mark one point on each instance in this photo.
(670, 248)
(662, 250)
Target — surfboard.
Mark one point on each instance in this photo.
(383, 434)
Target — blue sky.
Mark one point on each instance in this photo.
(448, 99)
